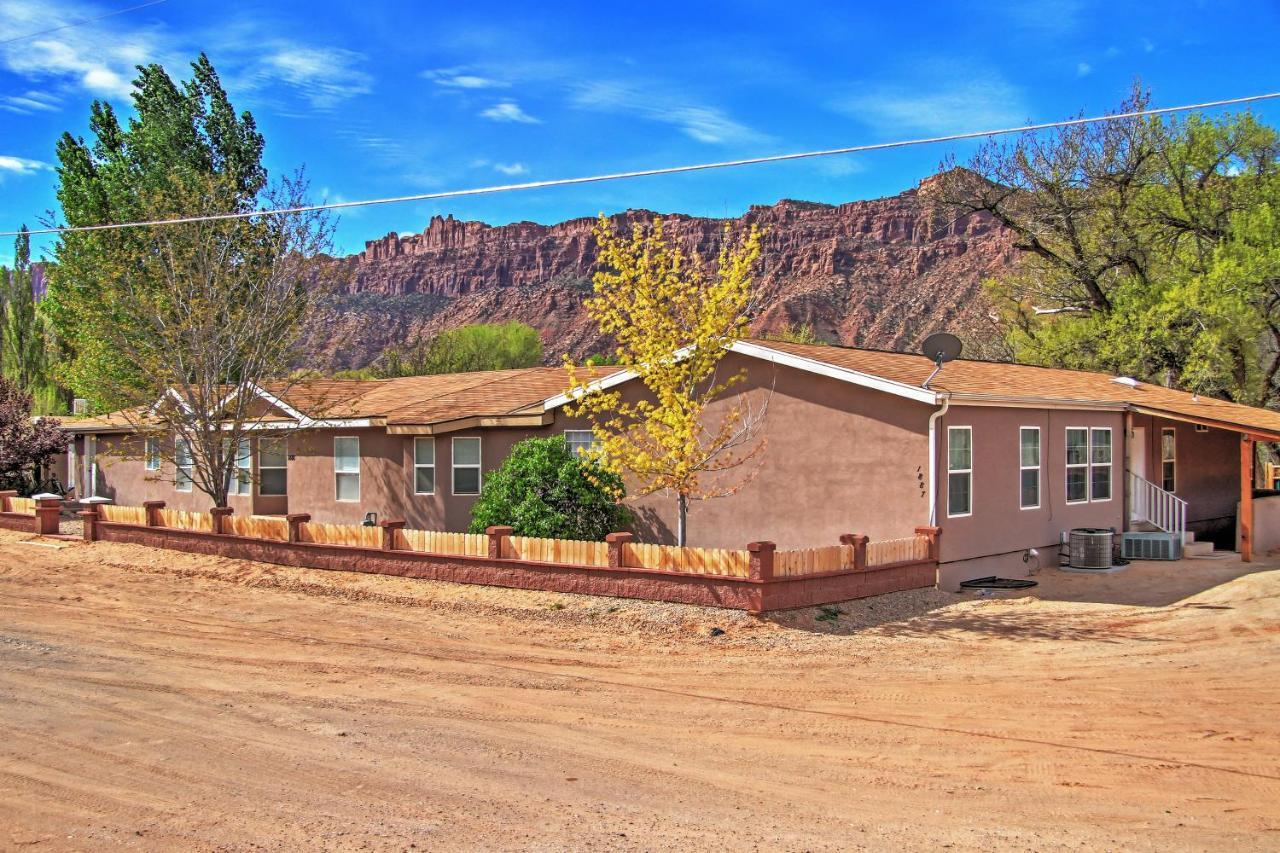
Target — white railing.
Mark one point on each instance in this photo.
(1152, 504)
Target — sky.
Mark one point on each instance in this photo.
(392, 98)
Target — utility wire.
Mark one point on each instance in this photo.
(81, 23)
(646, 173)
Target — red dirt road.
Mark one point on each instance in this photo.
(154, 700)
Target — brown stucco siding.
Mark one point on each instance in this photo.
(998, 525)
(839, 459)
(1206, 466)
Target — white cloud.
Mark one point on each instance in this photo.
(703, 123)
(1148, 45)
(512, 169)
(508, 111)
(455, 78)
(325, 76)
(1083, 69)
(977, 103)
(32, 101)
(10, 165)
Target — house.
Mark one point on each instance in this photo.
(1002, 458)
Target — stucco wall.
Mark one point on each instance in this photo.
(997, 525)
(1207, 467)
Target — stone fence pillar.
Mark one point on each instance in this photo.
(90, 519)
(934, 534)
(219, 514)
(296, 520)
(615, 542)
(496, 533)
(761, 560)
(152, 508)
(859, 543)
(48, 515)
(389, 529)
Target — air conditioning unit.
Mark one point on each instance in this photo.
(79, 406)
(1091, 547)
(1150, 546)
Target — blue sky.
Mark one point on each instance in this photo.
(391, 98)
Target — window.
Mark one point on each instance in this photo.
(580, 441)
(1169, 459)
(346, 467)
(273, 465)
(1029, 467)
(241, 480)
(151, 451)
(959, 471)
(424, 466)
(466, 466)
(1077, 465)
(1100, 464)
(182, 466)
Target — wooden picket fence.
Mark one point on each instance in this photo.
(812, 561)
(440, 542)
(673, 558)
(565, 551)
(25, 506)
(257, 526)
(340, 534)
(123, 514)
(910, 549)
(183, 520)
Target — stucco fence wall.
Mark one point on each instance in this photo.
(1266, 525)
(760, 592)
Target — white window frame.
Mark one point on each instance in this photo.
(1068, 464)
(454, 466)
(431, 441)
(240, 487)
(337, 472)
(1038, 467)
(284, 442)
(72, 462)
(180, 470)
(968, 471)
(1173, 461)
(151, 453)
(1110, 465)
(591, 445)
(90, 463)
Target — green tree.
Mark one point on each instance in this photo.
(482, 346)
(184, 140)
(544, 489)
(1146, 246)
(24, 345)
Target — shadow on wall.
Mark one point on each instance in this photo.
(650, 527)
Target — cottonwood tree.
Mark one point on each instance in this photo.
(207, 313)
(1145, 246)
(672, 316)
(24, 346)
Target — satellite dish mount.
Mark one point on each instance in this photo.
(941, 347)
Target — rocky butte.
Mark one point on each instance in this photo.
(881, 273)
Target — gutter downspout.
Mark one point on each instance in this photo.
(933, 460)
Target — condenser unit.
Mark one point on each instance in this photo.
(1150, 546)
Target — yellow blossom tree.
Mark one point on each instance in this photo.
(672, 317)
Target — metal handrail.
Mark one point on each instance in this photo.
(1157, 507)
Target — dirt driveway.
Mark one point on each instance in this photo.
(155, 700)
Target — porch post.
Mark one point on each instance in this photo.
(1246, 498)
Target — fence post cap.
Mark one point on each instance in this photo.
(761, 546)
(395, 524)
(9, 493)
(620, 536)
(221, 510)
(926, 530)
(298, 517)
(153, 504)
(853, 538)
(499, 530)
(47, 496)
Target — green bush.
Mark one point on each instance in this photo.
(543, 489)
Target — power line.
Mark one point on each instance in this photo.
(81, 23)
(646, 173)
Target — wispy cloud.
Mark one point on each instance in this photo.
(29, 102)
(10, 165)
(324, 76)
(508, 111)
(512, 169)
(977, 103)
(700, 122)
(1083, 69)
(459, 78)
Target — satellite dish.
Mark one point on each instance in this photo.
(941, 347)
